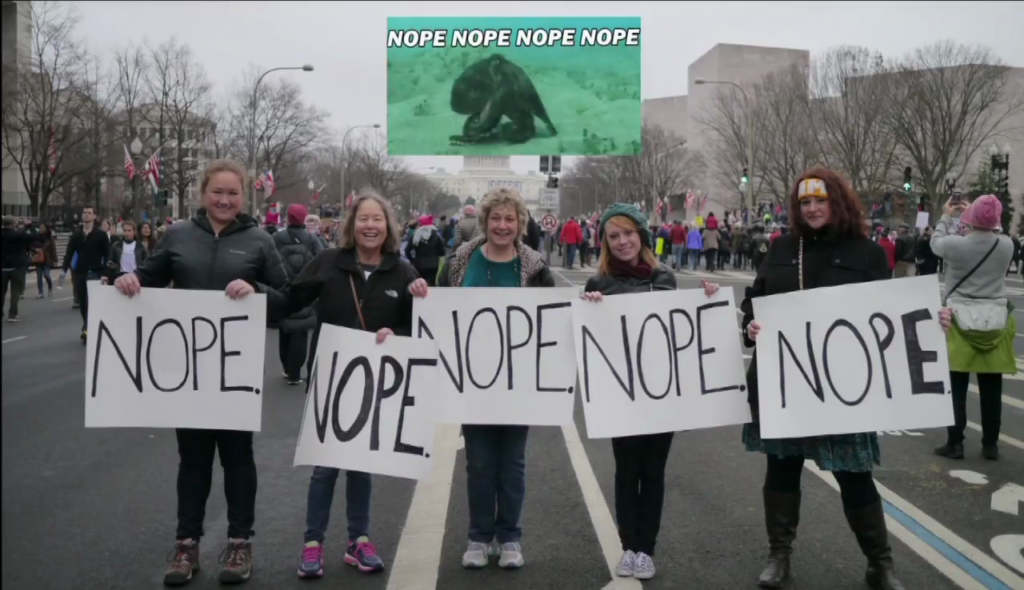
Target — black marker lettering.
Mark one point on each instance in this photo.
(407, 402)
(867, 355)
(509, 345)
(541, 344)
(314, 382)
(640, 356)
(816, 385)
(224, 354)
(458, 383)
(340, 433)
(702, 352)
(883, 345)
(676, 349)
(917, 357)
(136, 377)
(501, 343)
(384, 393)
(196, 350)
(149, 354)
(587, 335)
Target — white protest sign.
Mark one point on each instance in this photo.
(506, 354)
(659, 362)
(370, 406)
(922, 219)
(855, 358)
(172, 358)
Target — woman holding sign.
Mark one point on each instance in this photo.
(496, 454)
(628, 265)
(362, 285)
(827, 247)
(220, 248)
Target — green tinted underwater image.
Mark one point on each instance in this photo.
(551, 100)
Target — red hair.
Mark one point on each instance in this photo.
(846, 210)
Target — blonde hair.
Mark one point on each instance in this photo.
(217, 166)
(604, 266)
(392, 243)
(504, 197)
(311, 218)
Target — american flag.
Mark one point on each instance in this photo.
(153, 169)
(351, 196)
(265, 183)
(689, 199)
(316, 194)
(129, 164)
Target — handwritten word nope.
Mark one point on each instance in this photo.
(202, 335)
(373, 392)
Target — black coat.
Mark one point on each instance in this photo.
(662, 279)
(828, 262)
(327, 282)
(193, 257)
(117, 250)
(297, 248)
(532, 234)
(427, 255)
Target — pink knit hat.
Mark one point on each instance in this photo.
(986, 212)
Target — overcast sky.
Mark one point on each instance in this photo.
(345, 41)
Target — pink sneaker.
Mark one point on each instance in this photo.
(362, 554)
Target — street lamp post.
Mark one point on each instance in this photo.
(136, 148)
(255, 140)
(750, 137)
(344, 154)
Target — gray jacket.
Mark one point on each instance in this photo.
(962, 253)
(466, 230)
(192, 257)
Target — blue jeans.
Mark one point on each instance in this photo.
(496, 481)
(694, 258)
(679, 253)
(43, 272)
(321, 495)
(570, 254)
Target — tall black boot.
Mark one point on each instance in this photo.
(868, 524)
(781, 517)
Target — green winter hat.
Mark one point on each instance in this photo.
(633, 213)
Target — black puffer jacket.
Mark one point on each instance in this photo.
(298, 248)
(193, 257)
(662, 279)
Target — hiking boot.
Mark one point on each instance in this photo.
(950, 451)
(236, 560)
(184, 560)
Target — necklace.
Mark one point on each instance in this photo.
(516, 267)
(800, 263)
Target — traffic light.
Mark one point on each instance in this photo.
(552, 182)
(746, 176)
(923, 203)
(908, 181)
(556, 164)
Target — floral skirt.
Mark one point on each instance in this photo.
(839, 452)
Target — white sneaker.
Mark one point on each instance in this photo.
(643, 568)
(511, 556)
(476, 556)
(626, 565)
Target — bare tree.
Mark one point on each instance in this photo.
(947, 101)
(186, 127)
(41, 104)
(372, 167)
(783, 131)
(95, 122)
(849, 112)
(132, 65)
(729, 120)
(159, 80)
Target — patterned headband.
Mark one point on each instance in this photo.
(811, 187)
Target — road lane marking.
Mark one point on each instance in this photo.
(1007, 499)
(15, 339)
(962, 563)
(968, 476)
(1006, 439)
(600, 514)
(1009, 548)
(61, 299)
(418, 558)
(1007, 399)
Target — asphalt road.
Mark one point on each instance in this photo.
(95, 509)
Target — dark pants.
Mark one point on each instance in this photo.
(640, 488)
(195, 476)
(856, 488)
(81, 289)
(584, 254)
(321, 495)
(711, 258)
(990, 387)
(496, 481)
(7, 284)
(429, 275)
(291, 348)
(570, 255)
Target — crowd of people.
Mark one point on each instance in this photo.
(365, 273)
